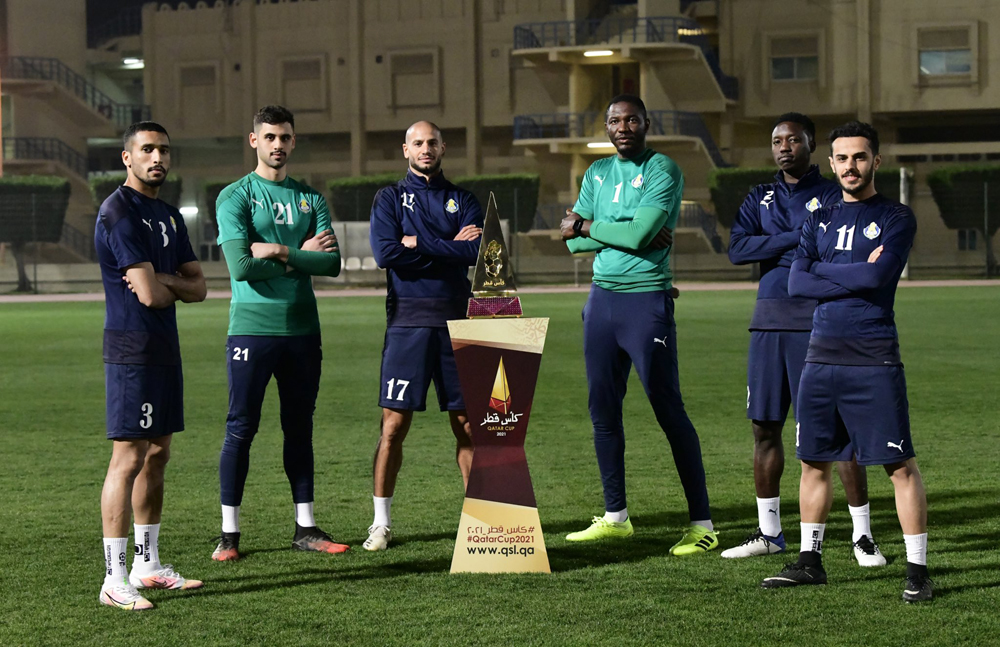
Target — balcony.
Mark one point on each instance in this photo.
(82, 102)
(677, 45)
(681, 136)
(44, 155)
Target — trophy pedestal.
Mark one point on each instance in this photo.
(489, 307)
(498, 361)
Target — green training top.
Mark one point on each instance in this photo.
(629, 202)
(271, 298)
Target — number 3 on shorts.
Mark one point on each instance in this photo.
(147, 416)
(394, 382)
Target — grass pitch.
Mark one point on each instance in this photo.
(54, 458)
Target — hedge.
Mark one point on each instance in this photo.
(729, 187)
(958, 192)
(32, 209)
(101, 186)
(516, 195)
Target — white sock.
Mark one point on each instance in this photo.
(704, 522)
(230, 518)
(304, 515)
(147, 548)
(769, 515)
(618, 517)
(916, 548)
(383, 511)
(812, 536)
(114, 560)
(861, 516)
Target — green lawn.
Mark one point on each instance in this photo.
(54, 458)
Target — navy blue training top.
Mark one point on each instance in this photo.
(854, 322)
(767, 230)
(428, 285)
(132, 229)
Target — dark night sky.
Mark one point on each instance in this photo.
(101, 11)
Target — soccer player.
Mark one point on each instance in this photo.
(147, 265)
(627, 209)
(425, 233)
(275, 234)
(853, 391)
(767, 231)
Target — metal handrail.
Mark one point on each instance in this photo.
(591, 124)
(45, 148)
(78, 241)
(693, 216)
(620, 30)
(52, 69)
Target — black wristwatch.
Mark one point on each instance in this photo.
(578, 227)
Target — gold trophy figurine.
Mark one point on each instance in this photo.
(493, 290)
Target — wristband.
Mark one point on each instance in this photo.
(578, 227)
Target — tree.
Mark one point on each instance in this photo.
(968, 197)
(32, 210)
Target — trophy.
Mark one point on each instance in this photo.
(498, 355)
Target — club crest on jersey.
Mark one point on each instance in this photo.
(637, 181)
(872, 231)
(768, 199)
(407, 200)
(304, 205)
(813, 205)
(451, 206)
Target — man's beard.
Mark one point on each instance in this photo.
(434, 168)
(148, 181)
(866, 180)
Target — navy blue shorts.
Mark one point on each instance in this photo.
(143, 401)
(863, 407)
(411, 359)
(774, 366)
(251, 361)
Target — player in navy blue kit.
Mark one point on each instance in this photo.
(147, 264)
(853, 391)
(767, 231)
(425, 233)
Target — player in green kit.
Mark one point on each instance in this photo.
(626, 212)
(276, 234)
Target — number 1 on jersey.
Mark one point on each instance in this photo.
(618, 191)
(843, 233)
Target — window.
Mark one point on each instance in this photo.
(947, 54)
(414, 78)
(967, 240)
(794, 58)
(199, 92)
(302, 84)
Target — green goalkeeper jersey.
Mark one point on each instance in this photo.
(629, 202)
(271, 298)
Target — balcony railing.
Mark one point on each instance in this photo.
(52, 69)
(688, 124)
(591, 124)
(79, 242)
(693, 216)
(45, 148)
(621, 31)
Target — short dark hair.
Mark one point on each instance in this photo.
(797, 118)
(627, 98)
(140, 127)
(857, 129)
(273, 115)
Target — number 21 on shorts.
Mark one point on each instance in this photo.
(402, 384)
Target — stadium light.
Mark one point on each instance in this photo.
(600, 145)
(189, 212)
(133, 63)
(598, 52)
